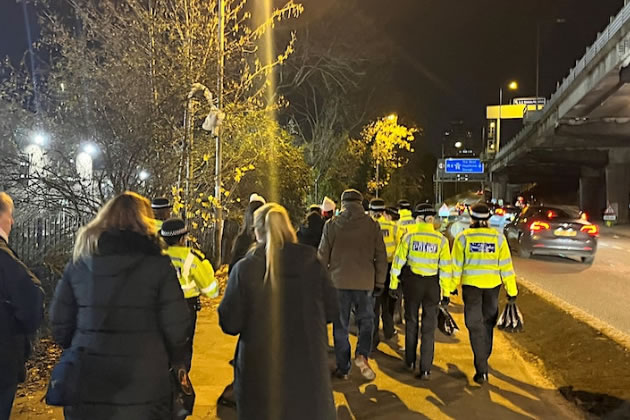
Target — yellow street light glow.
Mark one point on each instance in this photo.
(458, 145)
(392, 117)
(513, 86)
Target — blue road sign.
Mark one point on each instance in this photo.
(463, 166)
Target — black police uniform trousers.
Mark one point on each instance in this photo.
(481, 310)
(384, 309)
(194, 305)
(420, 291)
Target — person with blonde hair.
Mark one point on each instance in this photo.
(279, 299)
(120, 301)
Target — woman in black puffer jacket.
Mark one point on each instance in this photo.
(131, 341)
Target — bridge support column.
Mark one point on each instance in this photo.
(499, 188)
(618, 183)
(591, 196)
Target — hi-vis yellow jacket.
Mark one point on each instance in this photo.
(481, 258)
(426, 252)
(158, 224)
(195, 273)
(390, 236)
(406, 220)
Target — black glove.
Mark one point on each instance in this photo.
(378, 291)
(455, 292)
(511, 298)
(445, 301)
(394, 294)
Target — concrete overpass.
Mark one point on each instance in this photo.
(583, 133)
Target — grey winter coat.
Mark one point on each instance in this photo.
(353, 250)
(281, 365)
(126, 374)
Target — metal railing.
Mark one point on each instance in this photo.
(600, 43)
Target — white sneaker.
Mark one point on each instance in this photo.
(362, 363)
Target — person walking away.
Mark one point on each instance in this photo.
(353, 251)
(194, 271)
(481, 262)
(162, 209)
(385, 305)
(278, 301)
(21, 312)
(119, 300)
(310, 232)
(245, 238)
(423, 265)
(405, 215)
(328, 209)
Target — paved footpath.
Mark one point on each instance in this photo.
(517, 389)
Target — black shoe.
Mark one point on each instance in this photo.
(425, 375)
(409, 367)
(340, 375)
(481, 378)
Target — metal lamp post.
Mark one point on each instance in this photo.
(511, 86)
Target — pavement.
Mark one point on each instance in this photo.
(601, 290)
(517, 389)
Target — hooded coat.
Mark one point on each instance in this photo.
(130, 342)
(310, 233)
(281, 365)
(353, 250)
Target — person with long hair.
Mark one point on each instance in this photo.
(246, 239)
(278, 300)
(120, 300)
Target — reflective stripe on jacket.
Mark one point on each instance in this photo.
(426, 252)
(195, 273)
(481, 258)
(389, 230)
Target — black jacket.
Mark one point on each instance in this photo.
(310, 233)
(21, 313)
(281, 367)
(126, 374)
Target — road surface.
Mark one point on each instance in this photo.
(601, 290)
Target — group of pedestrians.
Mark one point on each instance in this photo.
(129, 300)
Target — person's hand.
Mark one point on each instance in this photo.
(511, 299)
(445, 301)
(394, 294)
(378, 291)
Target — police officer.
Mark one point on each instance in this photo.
(194, 271)
(424, 255)
(481, 262)
(384, 305)
(162, 209)
(405, 213)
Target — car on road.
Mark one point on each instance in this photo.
(555, 231)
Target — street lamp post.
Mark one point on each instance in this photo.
(538, 28)
(511, 86)
(218, 163)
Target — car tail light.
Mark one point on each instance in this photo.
(499, 212)
(551, 214)
(584, 216)
(592, 230)
(539, 226)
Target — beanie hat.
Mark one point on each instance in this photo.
(160, 203)
(328, 205)
(351, 195)
(376, 204)
(173, 227)
(404, 205)
(424, 210)
(256, 197)
(479, 211)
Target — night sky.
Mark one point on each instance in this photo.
(438, 60)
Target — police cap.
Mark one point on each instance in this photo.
(376, 204)
(404, 205)
(480, 211)
(424, 210)
(173, 227)
(160, 203)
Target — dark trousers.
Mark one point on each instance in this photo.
(7, 395)
(384, 308)
(194, 305)
(420, 291)
(363, 305)
(481, 309)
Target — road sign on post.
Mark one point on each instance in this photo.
(463, 166)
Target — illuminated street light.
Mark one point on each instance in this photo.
(90, 149)
(458, 145)
(513, 85)
(39, 139)
(392, 117)
(144, 175)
